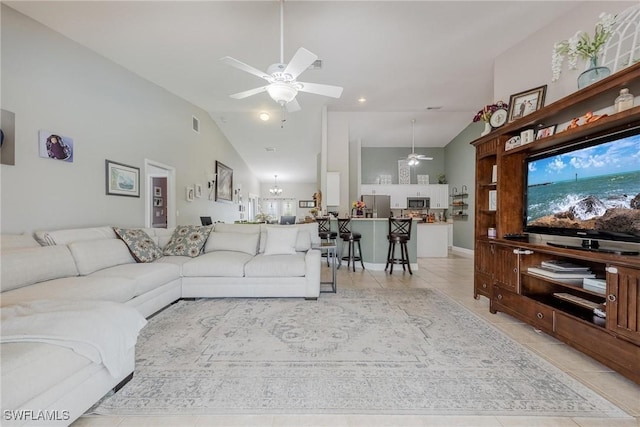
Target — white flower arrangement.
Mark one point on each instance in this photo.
(582, 46)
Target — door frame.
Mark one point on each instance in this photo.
(154, 169)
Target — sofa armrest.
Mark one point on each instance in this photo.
(312, 273)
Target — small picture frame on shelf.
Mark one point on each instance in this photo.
(545, 132)
(524, 103)
(493, 200)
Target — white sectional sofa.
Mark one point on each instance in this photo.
(93, 264)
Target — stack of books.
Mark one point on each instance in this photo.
(562, 271)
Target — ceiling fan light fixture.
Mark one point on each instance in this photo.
(282, 93)
(264, 116)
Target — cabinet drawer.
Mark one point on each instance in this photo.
(619, 354)
(527, 309)
(482, 284)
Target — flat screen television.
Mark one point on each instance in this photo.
(590, 189)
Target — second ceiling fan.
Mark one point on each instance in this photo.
(414, 159)
(282, 78)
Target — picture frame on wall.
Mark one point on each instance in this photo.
(157, 191)
(524, 103)
(307, 204)
(198, 190)
(190, 192)
(224, 184)
(157, 202)
(121, 179)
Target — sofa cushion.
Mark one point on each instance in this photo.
(94, 255)
(237, 228)
(239, 242)
(276, 266)
(64, 237)
(217, 264)
(141, 246)
(23, 267)
(303, 240)
(118, 289)
(147, 276)
(187, 240)
(17, 241)
(281, 240)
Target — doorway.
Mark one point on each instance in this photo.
(160, 202)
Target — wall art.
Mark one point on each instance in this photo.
(7, 137)
(55, 146)
(224, 184)
(121, 179)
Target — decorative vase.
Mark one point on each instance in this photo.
(358, 212)
(593, 73)
(487, 129)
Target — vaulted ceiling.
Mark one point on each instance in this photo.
(403, 57)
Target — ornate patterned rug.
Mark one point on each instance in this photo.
(359, 351)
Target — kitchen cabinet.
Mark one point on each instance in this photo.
(439, 196)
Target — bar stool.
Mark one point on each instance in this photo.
(350, 238)
(325, 233)
(399, 232)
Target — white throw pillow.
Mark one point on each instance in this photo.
(281, 240)
(238, 242)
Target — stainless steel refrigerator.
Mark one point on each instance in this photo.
(378, 206)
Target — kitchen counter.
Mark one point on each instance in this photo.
(375, 244)
(433, 239)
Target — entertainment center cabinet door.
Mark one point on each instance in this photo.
(506, 272)
(623, 302)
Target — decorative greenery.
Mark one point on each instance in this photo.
(359, 204)
(582, 46)
(263, 217)
(488, 110)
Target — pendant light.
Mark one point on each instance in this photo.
(275, 190)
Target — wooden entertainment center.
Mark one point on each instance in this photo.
(561, 309)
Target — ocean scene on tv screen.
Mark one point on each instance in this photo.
(593, 188)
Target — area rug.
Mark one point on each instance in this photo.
(355, 352)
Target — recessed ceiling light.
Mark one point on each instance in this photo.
(362, 100)
(264, 116)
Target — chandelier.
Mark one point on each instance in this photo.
(275, 190)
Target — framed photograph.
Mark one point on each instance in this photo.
(524, 103)
(224, 184)
(157, 191)
(122, 180)
(545, 132)
(190, 194)
(55, 146)
(307, 204)
(198, 190)
(493, 200)
(157, 202)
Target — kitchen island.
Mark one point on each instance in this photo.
(375, 244)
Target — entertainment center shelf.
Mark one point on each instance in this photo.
(600, 317)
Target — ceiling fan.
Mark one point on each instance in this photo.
(283, 86)
(414, 159)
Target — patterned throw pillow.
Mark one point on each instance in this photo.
(141, 246)
(187, 240)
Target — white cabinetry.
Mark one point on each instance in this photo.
(418, 190)
(439, 196)
(375, 190)
(398, 195)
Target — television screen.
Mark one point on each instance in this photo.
(591, 189)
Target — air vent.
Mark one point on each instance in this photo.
(195, 124)
(316, 65)
(270, 149)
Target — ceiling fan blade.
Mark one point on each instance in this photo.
(320, 89)
(293, 106)
(248, 93)
(421, 157)
(244, 67)
(300, 62)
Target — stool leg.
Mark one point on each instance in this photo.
(393, 254)
(403, 260)
(360, 254)
(406, 251)
(352, 255)
(388, 256)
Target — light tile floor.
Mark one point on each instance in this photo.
(454, 276)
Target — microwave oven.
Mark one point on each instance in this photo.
(417, 203)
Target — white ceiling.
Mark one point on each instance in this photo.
(401, 56)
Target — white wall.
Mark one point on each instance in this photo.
(528, 64)
(338, 154)
(54, 84)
